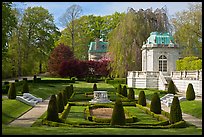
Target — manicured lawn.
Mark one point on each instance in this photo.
(6, 130)
(76, 113)
(44, 90)
(11, 109)
(192, 107)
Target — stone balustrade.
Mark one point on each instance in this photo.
(190, 74)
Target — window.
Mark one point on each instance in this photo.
(163, 63)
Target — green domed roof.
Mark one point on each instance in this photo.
(160, 38)
(101, 47)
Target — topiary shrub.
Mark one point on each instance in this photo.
(175, 111)
(65, 97)
(12, 91)
(25, 87)
(119, 89)
(171, 87)
(155, 105)
(142, 98)
(190, 93)
(94, 87)
(124, 91)
(60, 102)
(131, 94)
(52, 110)
(118, 115)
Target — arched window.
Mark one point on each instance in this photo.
(163, 63)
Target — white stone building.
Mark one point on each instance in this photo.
(159, 55)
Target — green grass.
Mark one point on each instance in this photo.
(6, 130)
(193, 108)
(149, 93)
(11, 109)
(43, 90)
(76, 115)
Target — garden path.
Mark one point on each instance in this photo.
(28, 118)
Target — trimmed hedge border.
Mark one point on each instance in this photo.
(88, 116)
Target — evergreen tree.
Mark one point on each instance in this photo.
(190, 93)
(155, 105)
(171, 87)
(12, 91)
(119, 89)
(60, 102)
(124, 91)
(94, 87)
(131, 94)
(25, 87)
(142, 98)
(52, 110)
(175, 111)
(118, 115)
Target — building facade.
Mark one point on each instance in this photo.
(160, 53)
(97, 50)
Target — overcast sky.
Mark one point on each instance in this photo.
(104, 8)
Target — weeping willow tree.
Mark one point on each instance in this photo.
(126, 40)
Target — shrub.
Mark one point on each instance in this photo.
(155, 105)
(142, 98)
(118, 115)
(175, 111)
(25, 87)
(94, 87)
(65, 97)
(131, 94)
(72, 79)
(34, 78)
(12, 91)
(190, 93)
(124, 91)
(119, 89)
(171, 87)
(52, 110)
(60, 102)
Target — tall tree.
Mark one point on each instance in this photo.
(39, 24)
(126, 40)
(68, 20)
(188, 30)
(8, 24)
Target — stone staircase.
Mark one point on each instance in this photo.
(168, 98)
(29, 99)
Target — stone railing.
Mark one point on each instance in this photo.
(142, 74)
(190, 74)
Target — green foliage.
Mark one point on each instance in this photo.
(155, 105)
(118, 115)
(190, 93)
(60, 102)
(119, 89)
(94, 87)
(189, 63)
(65, 96)
(52, 110)
(124, 91)
(126, 39)
(175, 111)
(171, 87)
(9, 22)
(25, 87)
(12, 91)
(142, 98)
(188, 30)
(131, 94)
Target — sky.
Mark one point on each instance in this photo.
(57, 9)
